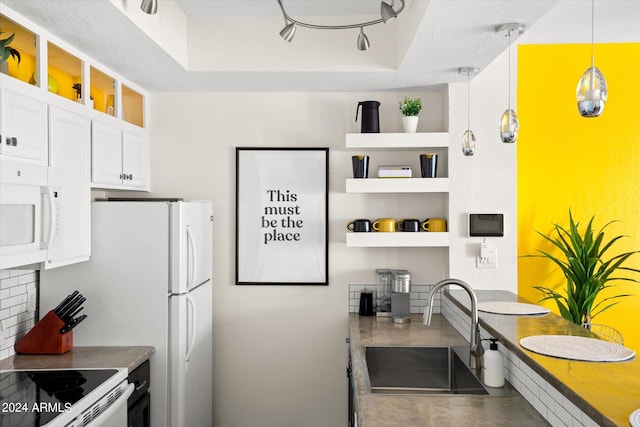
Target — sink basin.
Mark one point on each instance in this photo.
(420, 370)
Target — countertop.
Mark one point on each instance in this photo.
(129, 357)
(388, 410)
(606, 391)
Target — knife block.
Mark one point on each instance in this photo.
(45, 337)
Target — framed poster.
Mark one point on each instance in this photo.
(281, 216)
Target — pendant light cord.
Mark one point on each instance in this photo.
(592, 25)
(469, 100)
(509, 68)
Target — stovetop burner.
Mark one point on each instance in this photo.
(34, 398)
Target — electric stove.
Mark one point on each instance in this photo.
(34, 398)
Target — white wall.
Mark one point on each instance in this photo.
(485, 182)
(280, 351)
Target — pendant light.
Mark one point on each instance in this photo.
(468, 138)
(509, 123)
(592, 87)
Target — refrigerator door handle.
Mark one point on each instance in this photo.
(192, 260)
(192, 334)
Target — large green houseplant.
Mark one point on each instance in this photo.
(6, 50)
(586, 270)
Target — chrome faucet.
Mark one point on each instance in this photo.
(476, 350)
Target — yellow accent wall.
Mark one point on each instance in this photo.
(589, 165)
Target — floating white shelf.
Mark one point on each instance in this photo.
(397, 185)
(397, 140)
(379, 239)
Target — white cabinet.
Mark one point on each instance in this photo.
(119, 158)
(23, 127)
(135, 159)
(396, 142)
(69, 174)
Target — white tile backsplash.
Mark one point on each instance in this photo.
(545, 398)
(418, 297)
(14, 286)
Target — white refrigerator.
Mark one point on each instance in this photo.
(148, 282)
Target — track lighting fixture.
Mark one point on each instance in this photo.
(509, 123)
(387, 13)
(363, 41)
(468, 137)
(592, 87)
(149, 6)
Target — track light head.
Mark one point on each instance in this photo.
(149, 7)
(386, 12)
(288, 31)
(363, 41)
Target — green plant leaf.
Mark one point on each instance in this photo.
(587, 273)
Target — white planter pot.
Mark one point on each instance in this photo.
(410, 123)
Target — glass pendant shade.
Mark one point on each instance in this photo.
(591, 93)
(509, 126)
(468, 143)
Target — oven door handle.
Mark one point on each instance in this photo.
(115, 407)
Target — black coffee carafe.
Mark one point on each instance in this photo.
(370, 120)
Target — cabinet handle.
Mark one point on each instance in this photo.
(131, 176)
(121, 176)
(12, 141)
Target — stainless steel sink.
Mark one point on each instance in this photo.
(420, 370)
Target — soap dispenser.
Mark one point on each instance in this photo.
(493, 366)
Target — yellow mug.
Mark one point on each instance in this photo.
(434, 224)
(387, 225)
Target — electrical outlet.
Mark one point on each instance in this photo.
(31, 301)
(488, 258)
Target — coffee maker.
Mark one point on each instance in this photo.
(400, 296)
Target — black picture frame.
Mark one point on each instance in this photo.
(282, 212)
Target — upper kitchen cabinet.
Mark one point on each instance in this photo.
(78, 84)
(64, 73)
(103, 88)
(132, 106)
(23, 127)
(26, 43)
(120, 157)
(69, 173)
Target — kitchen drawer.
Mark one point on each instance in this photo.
(140, 378)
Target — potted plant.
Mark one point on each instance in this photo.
(6, 51)
(586, 270)
(410, 108)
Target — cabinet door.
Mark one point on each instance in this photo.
(106, 154)
(69, 151)
(23, 126)
(135, 159)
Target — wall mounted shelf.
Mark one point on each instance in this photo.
(377, 239)
(397, 185)
(397, 140)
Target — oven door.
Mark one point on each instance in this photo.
(23, 194)
(110, 411)
(116, 414)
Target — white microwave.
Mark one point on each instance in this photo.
(29, 214)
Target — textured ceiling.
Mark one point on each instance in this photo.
(234, 45)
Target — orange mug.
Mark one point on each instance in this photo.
(434, 224)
